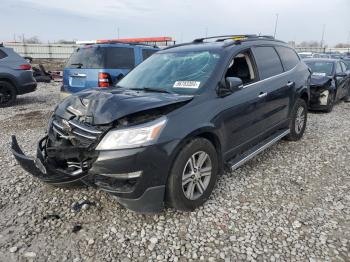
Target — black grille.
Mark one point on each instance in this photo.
(77, 133)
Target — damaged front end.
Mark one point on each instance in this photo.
(64, 155)
(70, 153)
(321, 91)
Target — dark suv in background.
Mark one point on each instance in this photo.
(172, 125)
(16, 76)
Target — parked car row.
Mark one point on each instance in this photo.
(161, 134)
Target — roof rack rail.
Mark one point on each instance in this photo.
(233, 37)
(237, 39)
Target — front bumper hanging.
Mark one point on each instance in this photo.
(40, 168)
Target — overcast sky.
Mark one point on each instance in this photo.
(52, 20)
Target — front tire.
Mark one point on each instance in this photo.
(330, 102)
(297, 123)
(193, 175)
(7, 94)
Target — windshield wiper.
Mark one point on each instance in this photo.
(152, 89)
(79, 65)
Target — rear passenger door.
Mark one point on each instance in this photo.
(340, 81)
(276, 87)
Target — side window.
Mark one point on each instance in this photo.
(242, 66)
(2, 54)
(338, 68)
(288, 56)
(146, 53)
(120, 58)
(268, 62)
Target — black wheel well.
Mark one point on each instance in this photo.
(9, 81)
(216, 143)
(305, 97)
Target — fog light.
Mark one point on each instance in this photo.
(136, 174)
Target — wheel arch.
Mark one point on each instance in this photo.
(208, 133)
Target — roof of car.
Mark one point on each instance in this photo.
(321, 59)
(202, 44)
(118, 44)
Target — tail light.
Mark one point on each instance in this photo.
(25, 67)
(104, 80)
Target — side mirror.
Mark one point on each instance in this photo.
(234, 83)
(230, 85)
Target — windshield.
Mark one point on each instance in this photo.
(321, 68)
(184, 72)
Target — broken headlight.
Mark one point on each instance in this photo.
(131, 137)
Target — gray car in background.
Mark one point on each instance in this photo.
(16, 76)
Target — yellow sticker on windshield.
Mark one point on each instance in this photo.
(187, 84)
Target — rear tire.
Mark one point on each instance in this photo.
(297, 123)
(193, 175)
(7, 94)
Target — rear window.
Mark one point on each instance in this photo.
(268, 62)
(2, 54)
(288, 56)
(102, 57)
(120, 57)
(146, 53)
(87, 57)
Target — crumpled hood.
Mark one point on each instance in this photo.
(99, 107)
(317, 80)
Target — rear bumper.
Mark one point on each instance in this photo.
(26, 88)
(110, 172)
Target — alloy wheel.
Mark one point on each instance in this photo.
(196, 175)
(5, 95)
(299, 120)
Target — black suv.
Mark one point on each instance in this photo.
(171, 126)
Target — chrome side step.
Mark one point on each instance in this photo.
(246, 156)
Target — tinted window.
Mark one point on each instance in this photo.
(120, 57)
(288, 56)
(146, 53)
(86, 57)
(267, 61)
(2, 54)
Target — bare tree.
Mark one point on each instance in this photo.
(32, 40)
(342, 45)
(63, 41)
(309, 44)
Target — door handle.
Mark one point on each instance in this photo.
(261, 95)
(290, 83)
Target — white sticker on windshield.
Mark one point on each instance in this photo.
(318, 74)
(187, 84)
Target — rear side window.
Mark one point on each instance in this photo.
(288, 56)
(146, 53)
(2, 54)
(268, 62)
(120, 58)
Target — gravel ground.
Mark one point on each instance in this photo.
(292, 202)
